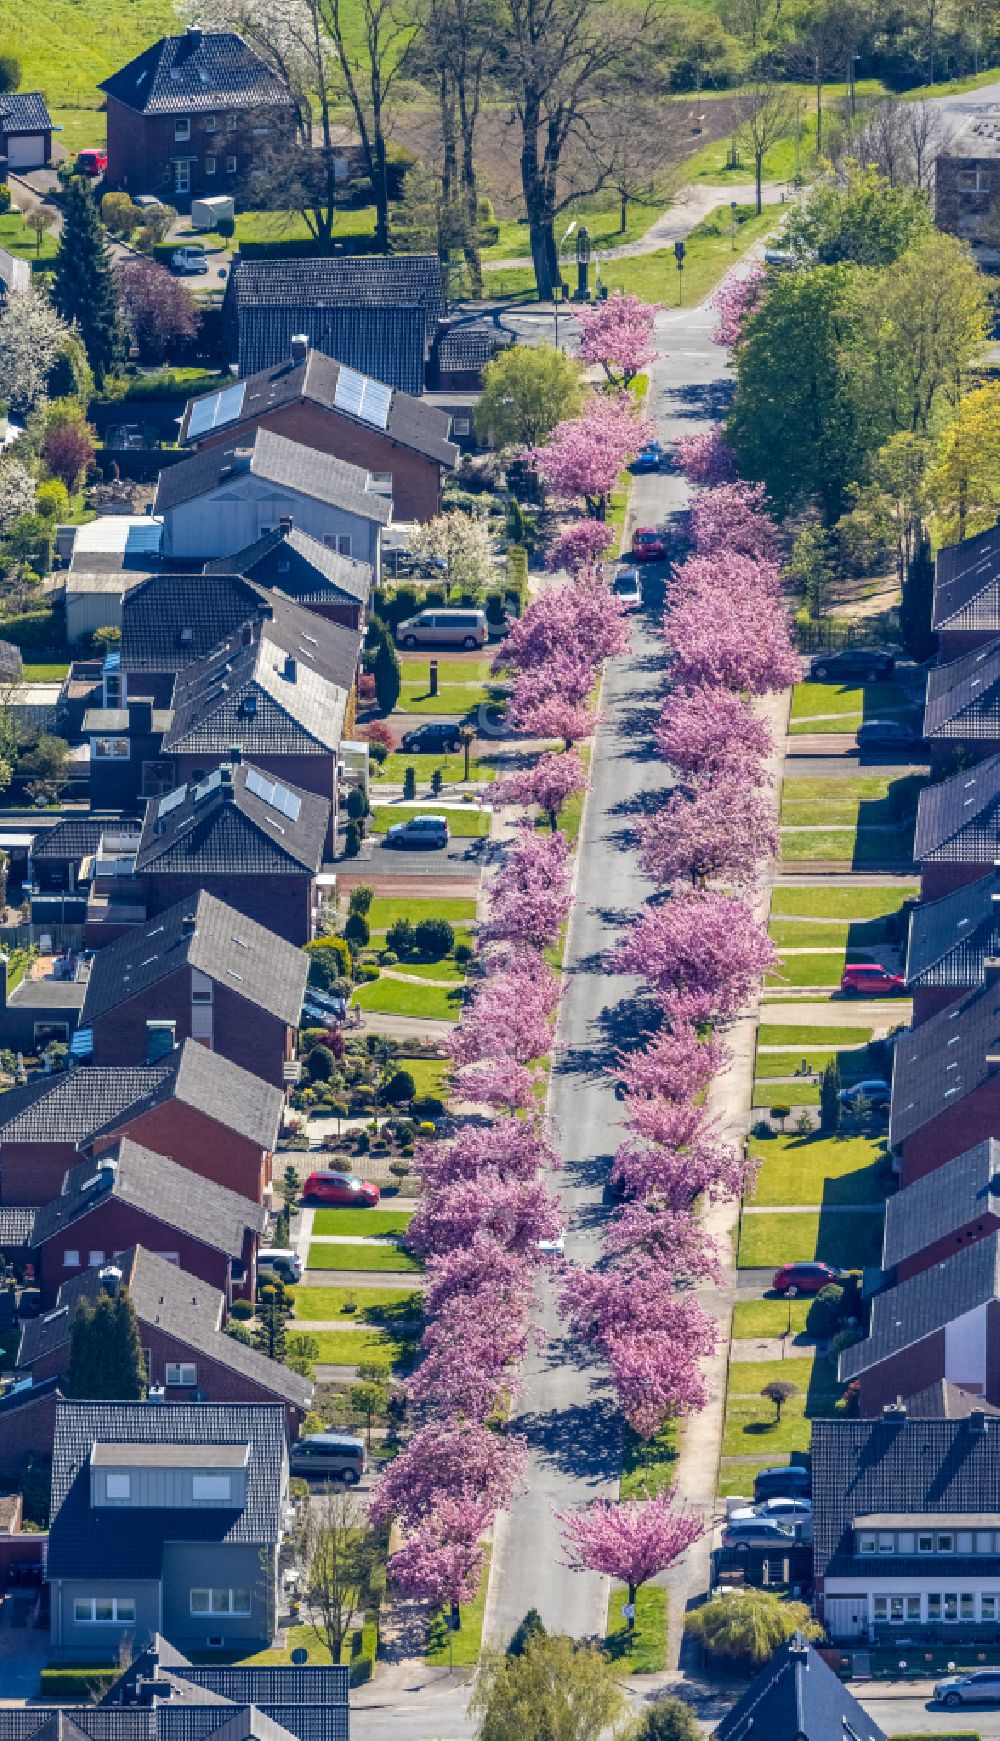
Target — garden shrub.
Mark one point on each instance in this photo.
(356, 931)
(368, 972)
(399, 1087)
(389, 958)
(401, 937)
(241, 1309)
(320, 1064)
(434, 937)
(329, 957)
(463, 952)
(427, 1106)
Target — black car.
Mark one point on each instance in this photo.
(868, 663)
(428, 739)
(791, 1481)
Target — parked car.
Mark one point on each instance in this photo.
(888, 734)
(873, 1089)
(328, 1457)
(782, 1478)
(441, 628)
(189, 262)
(868, 663)
(435, 735)
(626, 586)
(793, 1279)
(781, 1508)
(431, 831)
(870, 979)
(277, 1261)
(91, 161)
(554, 1247)
(342, 1189)
(980, 1688)
(648, 545)
(757, 1532)
(651, 458)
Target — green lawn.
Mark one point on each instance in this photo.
(351, 1347)
(852, 1241)
(849, 799)
(430, 1075)
(385, 910)
(648, 1468)
(827, 933)
(644, 1651)
(43, 673)
(737, 1478)
(830, 1171)
(786, 1093)
(783, 1034)
(380, 1306)
(748, 1377)
(750, 1426)
(786, 1063)
(446, 970)
(452, 767)
(465, 1644)
(16, 237)
(400, 997)
(811, 969)
(467, 823)
(769, 1317)
(838, 903)
(875, 701)
(876, 847)
(416, 670)
(371, 1222)
(361, 1257)
(451, 698)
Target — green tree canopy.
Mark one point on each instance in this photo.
(105, 1351)
(860, 219)
(555, 1690)
(749, 1624)
(527, 390)
(83, 287)
(669, 1719)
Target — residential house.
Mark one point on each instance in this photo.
(967, 190)
(944, 1323)
(951, 942)
(253, 842)
(205, 1112)
(129, 1196)
(945, 1211)
(223, 498)
(958, 828)
(962, 707)
(172, 621)
(194, 115)
(461, 354)
(126, 766)
(332, 586)
(188, 1355)
(40, 1007)
(27, 1427)
(216, 976)
(945, 1082)
(64, 861)
(310, 398)
(167, 1517)
(309, 1703)
(797, 1697)
(25, 130)
(966, 611)
(378, 314)
(107, 558)
(906, 1529)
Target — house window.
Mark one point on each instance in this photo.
(111, 749)
(210, 165)
(974, 181)
(231, 165)
(881, 1607)
(887, 1542)
(984, 1541)
(925, 1544)
(338, 541)
(182, 178)
(946, 1544)
(934, 1606)
(963, 1541)
(220, 1601)
(210, 123)
(987, 1607)
(104, 1610)
(867, 1544)
(117, 1486)
(173, 1257)
(967, 1606)
(461, 426)
(71, 1260)
(906, 1541)
(182, 128)
(181, 1372)
(201, 987)
(95, 1259)
(950, 1600)
(215, 1487)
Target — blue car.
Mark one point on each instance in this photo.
(650, 459)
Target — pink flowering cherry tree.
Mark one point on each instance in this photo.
(530, 898)
(733, 518)
(691, 1161)
(737, 298)
(706, 458)
(712, 828)
(732, 637)
(516, 1213)
(676, 1064)
(536, 709)
(673, 1237)
(618, 335)
(586, 455)
(468, 1357)
(553, 779)
(631, 1541)
(652, 1339)
(579, 546)
(705, 730)
(703, 953)
(513, 1148)
(459, 1461)
(442, 1562)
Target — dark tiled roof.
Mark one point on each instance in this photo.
(80, 1537)
(797, 1697)
(289, 464)
(257, 706)
(171, 620)
(16, 1227)
(27, 1397)
(906, 1314)
(963, 697)
(159, 1188)
(193, 1714)
(951, 939)
(235, 951)
(943, 1401)
(195, 73)
(281, 1688)
(223, 826)
(967, 584)
(467, 348)
(299, 566)
(73, 838)
(358, 280)
(958, 820)
(937, 1064)
(410, 423)
(24, 112)
(897, 1465)
(942, 1202)
(74, 1106)
(227, 1093)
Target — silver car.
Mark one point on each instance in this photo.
(979, 1688)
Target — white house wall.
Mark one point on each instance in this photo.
(235, 515)
(965, 1350)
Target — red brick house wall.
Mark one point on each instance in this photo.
(114, 1226)
(200, 1144)
(241, 1031)
(971, 1120)
(281, 903)
(33, 1173)
(28, 1431)
(902, 1375)
(941, 879)
(416, 480)
(936, 1250)
(142, 149)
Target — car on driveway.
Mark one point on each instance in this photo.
(783, 1508)
(866, 663)
(345, 1190)
(982, 1687)
(756, 1532)
(873, 1089)
(92, 161)
(189, 262)
(651, 458)
(782, 1479)
(419, 831)
(433, 736)
(886, 734)
(870, 979)
(793, 1279)
(648, 544)
(626, 586)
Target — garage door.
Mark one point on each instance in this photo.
(26, 151)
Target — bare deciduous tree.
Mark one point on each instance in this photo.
(339, 1551)
(767, 114)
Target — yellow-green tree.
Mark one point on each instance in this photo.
(964, 484)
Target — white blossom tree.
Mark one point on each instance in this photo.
(17, 491)
(463, 542)
(31, 337)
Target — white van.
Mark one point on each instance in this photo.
(442, 628)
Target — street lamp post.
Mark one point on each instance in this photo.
(679, 252)
(732, 227)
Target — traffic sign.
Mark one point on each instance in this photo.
(628, 1610)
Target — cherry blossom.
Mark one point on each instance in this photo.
(737, 297)
(706, 458)
(468, 1356)
(579, 546)
(678, 1174)
(706, 729)
(631, 1541)
(460, 1462)
(497, 1082)
(709, 828)
(546, 715)
(618, 334)
(552, 780)
(586, 455)
(701, 945)
(581, 619)
(516, 1213)
(734, 519)
(673, 1237)
(512, 1148)
(531, 896)
(676, 1063)
(731, 636)
(442, 1562)
(483, 1266)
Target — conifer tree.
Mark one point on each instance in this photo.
(83, 286)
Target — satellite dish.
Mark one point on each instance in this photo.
(299, 1656)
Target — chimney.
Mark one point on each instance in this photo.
(291, 670)
(235, 755)
(193, 35)
(894, 1411)
(110, 1278)
(188, 925)
(140, 718)
(226, 780)
(161, 1038)
(300, 347)
(285, 525)
(977, 1423)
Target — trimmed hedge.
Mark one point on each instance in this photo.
(37, 631)
(364, 1649)
(76, 1683)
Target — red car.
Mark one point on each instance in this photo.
(93, 161)
(868, 979)
(648, 545)
(804, 1278)
(344, 1189)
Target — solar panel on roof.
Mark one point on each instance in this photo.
(273, 793)
(363, 398)
(171, 801)
(204, 787)
(213, 412)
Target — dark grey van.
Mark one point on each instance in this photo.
(328, 1457)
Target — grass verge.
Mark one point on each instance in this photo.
(648, 1468)
(361, 1257)
(769, 1318)
(466, 1643)
(371, 1222)
(644, 1651)
(831, 1171)
(785, 1034)
(845, 1238)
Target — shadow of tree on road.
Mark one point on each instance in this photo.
(699, 399)
(583, 1440)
